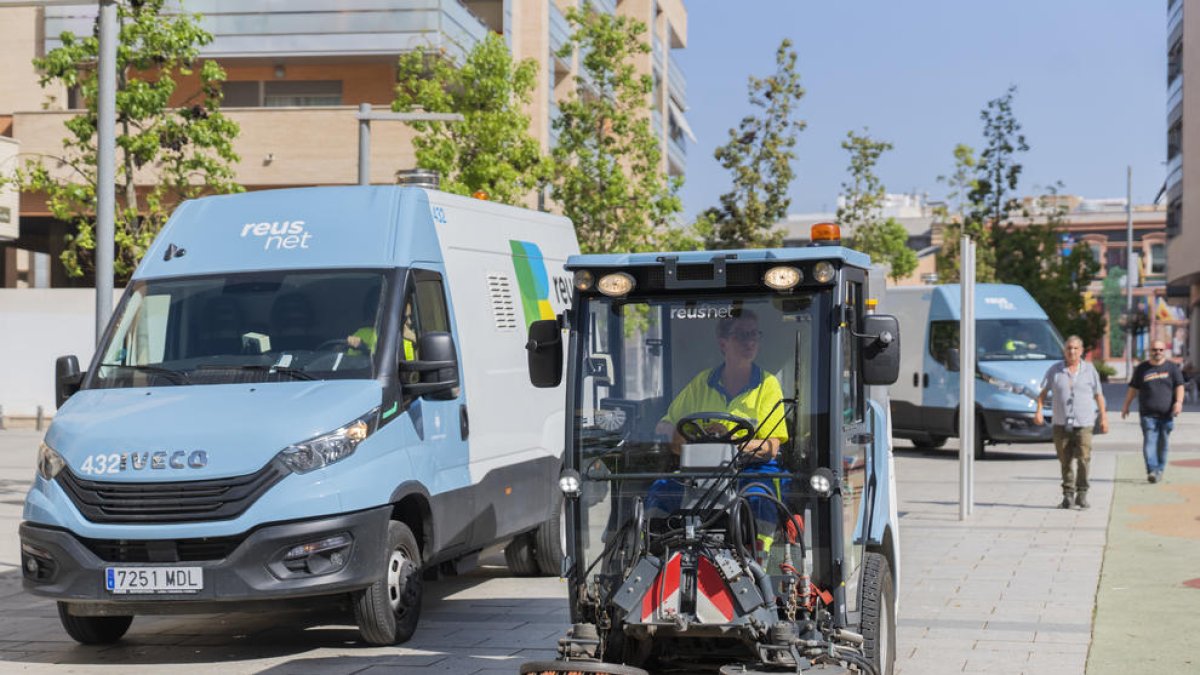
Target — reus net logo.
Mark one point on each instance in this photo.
(532, 280)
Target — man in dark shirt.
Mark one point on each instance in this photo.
(1158, 385)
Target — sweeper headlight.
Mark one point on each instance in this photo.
(783, 277)
(616, 284)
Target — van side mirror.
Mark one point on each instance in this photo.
(437, 367)
(952, 359)
(880, 349)
(545, 353)
(67, 379)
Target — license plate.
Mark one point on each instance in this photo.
(150, 580)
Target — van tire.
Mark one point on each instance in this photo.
(93, 630)
(387, 611)
(549, 540)
(980, 437)
(929, 443)
(520, 556)
(878, 605)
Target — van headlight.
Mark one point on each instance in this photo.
(49, 462)
(326, 449)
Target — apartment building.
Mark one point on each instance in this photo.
(296, 74)
(1182, 185)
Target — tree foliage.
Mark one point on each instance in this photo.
(885, 240)
(183, 152)
(607, 162)
(1057, 280)
(991, 196)
(759, 154)
(491, 149)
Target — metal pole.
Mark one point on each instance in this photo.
(966, 378)
(106, 151)
(1129, 272)
(364, 143)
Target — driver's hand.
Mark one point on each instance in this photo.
(715, 429)
(354, 341)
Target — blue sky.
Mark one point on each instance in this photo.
(1091, 79)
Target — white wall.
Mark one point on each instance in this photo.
(37, 325)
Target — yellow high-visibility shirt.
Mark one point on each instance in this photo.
(758, 401)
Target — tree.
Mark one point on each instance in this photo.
(188, 149)
(1056, 279)
(886, 241)
(990, 198)
(491, 149)
(759, 154)
(607, 163)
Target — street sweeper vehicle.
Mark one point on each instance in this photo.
(728, 478)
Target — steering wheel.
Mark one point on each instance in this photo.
(338, 345)
(692, 429)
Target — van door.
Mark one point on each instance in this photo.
(439, 420)
(941, 363)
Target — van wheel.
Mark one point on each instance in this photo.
(980, 437)
(93, 630)
(878, 604)
(520, 557)
(387, 611)
(550, 540)
(930, 443)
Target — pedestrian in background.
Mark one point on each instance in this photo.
(1078, 399)
(1158, 385)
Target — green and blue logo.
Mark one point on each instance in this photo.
(532, 280)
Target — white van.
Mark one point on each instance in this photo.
(309, 393)
(1015, 344)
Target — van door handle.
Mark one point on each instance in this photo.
(926, 380)
(464, 425)
(916, 382)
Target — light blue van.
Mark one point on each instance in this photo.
(306, 394)
(1015, 344)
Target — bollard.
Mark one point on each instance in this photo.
(40, 417)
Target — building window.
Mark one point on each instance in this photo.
(1158, 258)
(1099, 248)
(281, 94)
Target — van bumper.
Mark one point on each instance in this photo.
(57, 564)
(1005, 426)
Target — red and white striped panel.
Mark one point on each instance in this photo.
(714, 600)
(661, 602)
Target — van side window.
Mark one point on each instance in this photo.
(943, 342)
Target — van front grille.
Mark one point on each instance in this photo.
(168, 502)
(164, 550)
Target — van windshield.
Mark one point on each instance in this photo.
(999, 340)
(260, 327)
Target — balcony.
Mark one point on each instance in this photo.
(604, 6)
(676, 81)
(1174, 171)
(1174, 23)
(1174, 99)
(265, 28)
(560, 28)
(279, 147)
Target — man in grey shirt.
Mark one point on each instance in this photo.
(1075, 384)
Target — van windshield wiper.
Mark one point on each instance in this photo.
(177, 375)
(296, 373)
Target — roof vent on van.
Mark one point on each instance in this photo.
(424, 178)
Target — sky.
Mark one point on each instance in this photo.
(1090, 78)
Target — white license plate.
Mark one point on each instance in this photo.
(130, 580)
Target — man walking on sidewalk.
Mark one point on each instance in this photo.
(1158, 385)
(1075, 384)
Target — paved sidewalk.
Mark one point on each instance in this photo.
(1012, 588)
